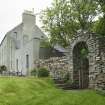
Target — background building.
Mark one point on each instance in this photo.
(20, 46)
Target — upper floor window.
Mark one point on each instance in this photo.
(42, 36)
(25, 39)
(15, 34)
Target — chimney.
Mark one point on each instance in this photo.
(29, 18)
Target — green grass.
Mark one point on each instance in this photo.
(33, 91)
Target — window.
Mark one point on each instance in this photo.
(25, 39)
(42, 36)
(15, 34)
(17, 64)
(27, 61)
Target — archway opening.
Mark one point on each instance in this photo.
(80, 65)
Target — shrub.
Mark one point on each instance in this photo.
(67, 77)
(34, 72)
(3, 68)
(69, 83)
(43, 72)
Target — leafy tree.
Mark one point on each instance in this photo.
(45, 44)
(84, 11)
(101, 3)
(99, 26)
(65, 17)
(57, 22)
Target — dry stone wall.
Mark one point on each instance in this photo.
(100, 81)
(58, 66)
(96, 57)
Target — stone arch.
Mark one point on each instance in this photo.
(90, 42)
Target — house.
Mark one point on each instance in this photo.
(20, 46)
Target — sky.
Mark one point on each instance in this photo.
(11, 12)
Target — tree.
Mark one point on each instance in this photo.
(99, 26)
(101, 3)
(65, 17)
(57, 22)
(84, 11)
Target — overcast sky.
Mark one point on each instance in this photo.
(11, 11)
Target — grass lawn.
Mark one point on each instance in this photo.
(33, 91)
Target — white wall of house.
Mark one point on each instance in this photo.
(21, 45)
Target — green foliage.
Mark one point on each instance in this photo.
(34, 72)
(67, 77)
(69, 82)
(57, 22)
(65, 17)
(84, 53)
(84, 11)
(40, 72)
(101, 3)
(99, 26)
(43, 72)
(3, 68)
(45, 44)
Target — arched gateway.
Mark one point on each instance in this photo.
(86, 59)
(81, 65)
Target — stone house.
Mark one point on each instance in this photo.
(21, 45)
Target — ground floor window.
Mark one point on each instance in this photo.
(27, 61)
(17, 64)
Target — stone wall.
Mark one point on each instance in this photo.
(100, 81)
(96, 57)
(58, 66)
(100, 78)
(91, 42)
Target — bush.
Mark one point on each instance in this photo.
(43, 72)
(69, 82)
(67, 77)
(34, 72)
(3, 68)
(40, 72)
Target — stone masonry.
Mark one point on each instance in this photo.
(58, 66)
(96, 57)
(86, 73)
